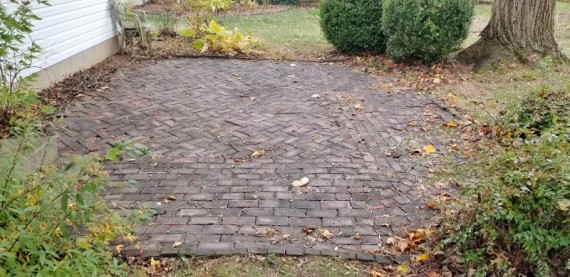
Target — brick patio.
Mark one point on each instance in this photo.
(203, 119)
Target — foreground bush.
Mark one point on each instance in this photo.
(353, 26)
(517, 214)
(425, 30)
(54, 222)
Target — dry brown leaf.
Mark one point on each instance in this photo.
(356, 236)
(258, 153)
(433, 274)
(327, 234)
(309, 229)
(391, 241)
(402, 245)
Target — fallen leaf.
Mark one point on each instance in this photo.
(453, 98)
(327, 234)
(304, 180)
(309, 229)
(451, 123)
(359, 107)
(468, 154)
(258, 153)
(433, 274)
(129, 237)
(413, 123)
(374, 273)
(430, 149)
(402, 245)
(422, 257)
(356, 236)
(154, 263)
(171, 198)
(403, 269)
(297, 184)
(177, 244)
(391, 241)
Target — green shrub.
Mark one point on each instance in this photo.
(540, 111)
(54, 221)
(425, 30)
(517, 213)
(353, 26)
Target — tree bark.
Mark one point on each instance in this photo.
(518, 29)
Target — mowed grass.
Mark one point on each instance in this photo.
(292, 33)
(297, 32)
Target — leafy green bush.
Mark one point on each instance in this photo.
(54, 222)
(426, 30)
(540, 111)
(517, 213)
(18, 109)
(353, 26)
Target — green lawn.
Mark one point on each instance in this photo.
(296, 32)
(289, 33)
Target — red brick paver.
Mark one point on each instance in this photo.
(203, 119)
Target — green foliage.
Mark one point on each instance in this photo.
(219, 40)
(17, 101)
(425, 30)
(218, 5)
(54, 222)
(517, 212)
(165, 24)
(279, 2)
(353, 26)
(543, 110)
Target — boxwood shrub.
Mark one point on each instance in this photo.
(425, 30)
(353, 26)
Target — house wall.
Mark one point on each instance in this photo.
(73, 35)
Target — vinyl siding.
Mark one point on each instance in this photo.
(68, 27)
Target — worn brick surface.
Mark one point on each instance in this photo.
(203, 119)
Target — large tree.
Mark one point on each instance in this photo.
(520, 29)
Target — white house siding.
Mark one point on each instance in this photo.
(68, 29)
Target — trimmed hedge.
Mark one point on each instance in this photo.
(425, 30)
(353, 26)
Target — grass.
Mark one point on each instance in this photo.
(291, 33)
(255, 266)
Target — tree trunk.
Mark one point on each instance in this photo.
(519, 29)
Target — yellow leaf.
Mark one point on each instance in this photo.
(154, 263)
(215, 27)
(119, 248)
(327, 234)
(403, 269)
(430, 149)
(451, 124)
(453, 98)
(83, 243)
(130, 237)
(422, 257)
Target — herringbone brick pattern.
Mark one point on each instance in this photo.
(203, 118)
